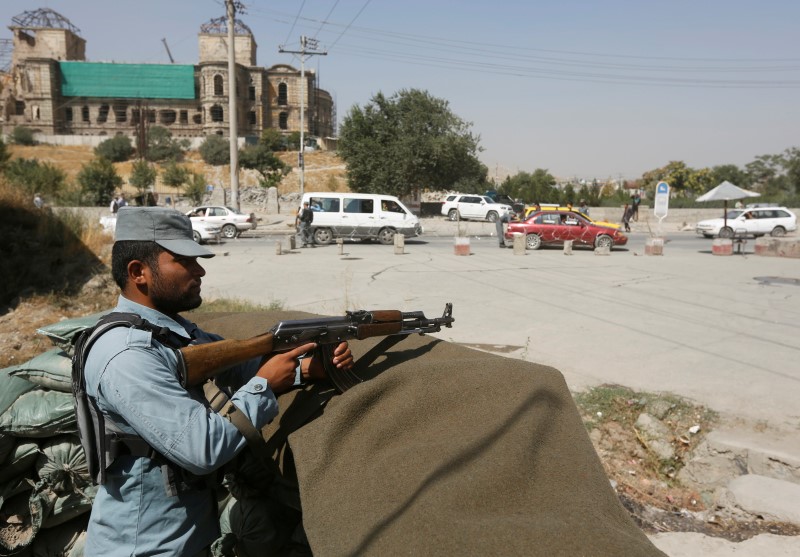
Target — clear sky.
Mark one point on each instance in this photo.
(583, 88)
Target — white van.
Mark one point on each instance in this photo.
(364, 216)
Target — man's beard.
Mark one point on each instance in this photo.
(169, 299)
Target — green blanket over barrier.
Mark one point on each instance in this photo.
(449, 451)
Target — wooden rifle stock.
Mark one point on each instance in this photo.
(202, 361)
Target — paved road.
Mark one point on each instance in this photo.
(720, 330)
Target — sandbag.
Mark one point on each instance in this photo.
(449, 451)
(62, 463)
(16, 529)
(51, 370)
(7, 444)
(62, 540)
(39, 413)
(14, 487)
(48, 508)
(254, 527)
(63, 333)
(22, 459)
(11, 388)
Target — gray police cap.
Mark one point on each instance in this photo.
(166, 227)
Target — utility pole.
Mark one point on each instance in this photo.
(233, 130)
(305, 42)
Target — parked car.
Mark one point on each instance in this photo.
(360, 216)
(555, 226)
(203, 232)
(553, 207)
(751, 221)
(470, 206)
(231, 222)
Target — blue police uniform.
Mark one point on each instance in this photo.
(134, 380)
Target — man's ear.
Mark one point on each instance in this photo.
(136, 272)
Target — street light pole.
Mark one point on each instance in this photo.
(304, 43)
(233, 128)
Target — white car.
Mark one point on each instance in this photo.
(203, 232)
(231, 221)
(751, 221)
(469, 206)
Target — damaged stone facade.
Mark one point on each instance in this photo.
(33, 96)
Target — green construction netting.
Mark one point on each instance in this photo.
(138, 81)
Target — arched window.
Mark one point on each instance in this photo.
(283, 121)
(216, 113)
(218, 86)
(282, 94)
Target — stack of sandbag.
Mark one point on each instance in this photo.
(45, 489)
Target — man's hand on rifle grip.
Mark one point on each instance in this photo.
(279, 368)
(313, 367)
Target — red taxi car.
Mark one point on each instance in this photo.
(555, 227)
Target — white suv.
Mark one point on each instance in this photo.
(751, 221)
(470, 206)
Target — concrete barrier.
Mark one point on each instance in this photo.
(722, 246)
(461, 246)
(399, 244)
(519, 244)
(654, 246)
(778, 247)
(567, 247)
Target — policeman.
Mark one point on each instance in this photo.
(158, 503)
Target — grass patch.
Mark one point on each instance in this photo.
(610, 413)
(238, 305)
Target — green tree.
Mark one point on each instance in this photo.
(175, 176)
(538, 187)
(115, 149)
(22, 136)
(195, 188)
(215, 150)
(5, 156)
(731, 173)
(409, 141)
(162, 147)
(767, 174)
(262, 160)
(143, 176)
(274, 140)
(791, 164)
(293, 141)
(32, 176)
(98, 179)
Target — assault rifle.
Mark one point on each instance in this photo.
(202, 361)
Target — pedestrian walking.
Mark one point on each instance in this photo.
(627, 213)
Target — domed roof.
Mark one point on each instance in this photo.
(219, 26)
(44, 18)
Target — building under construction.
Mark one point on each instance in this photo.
(50, 88)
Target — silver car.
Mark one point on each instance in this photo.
(231, 222)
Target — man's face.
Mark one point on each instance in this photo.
(175, 283)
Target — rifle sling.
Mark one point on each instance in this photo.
(222, 405)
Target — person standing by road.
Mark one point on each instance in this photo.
(626, 217)
(161, 501)
(304, 219)
(637, 200)
(583, 208)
